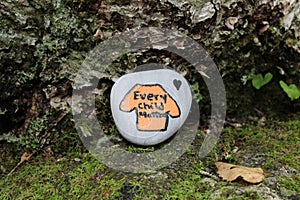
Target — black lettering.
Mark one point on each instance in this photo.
(135, 95)
(143, 114)
(143, 96)
(159, 107)
(152, 115)
(140, 106)
(148, 106)
(150, 97)
(164, 97)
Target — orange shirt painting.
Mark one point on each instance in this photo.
(153, 106)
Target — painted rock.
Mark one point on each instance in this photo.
(148, 107)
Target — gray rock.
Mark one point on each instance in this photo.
(148, 107)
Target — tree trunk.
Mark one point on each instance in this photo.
(43, 44)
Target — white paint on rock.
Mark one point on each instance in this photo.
(174, 85)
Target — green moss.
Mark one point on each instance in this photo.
(82, 178)
(229, 193)
(140, 149)
(277, 144)
(78, 175)
(189, 186)
(291, 182)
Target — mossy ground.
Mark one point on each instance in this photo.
(43, 44)
(273, 147)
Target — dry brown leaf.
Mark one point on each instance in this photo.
(25, 157)
(231, 172)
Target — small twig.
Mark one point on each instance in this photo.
(24, 158)
(204, 173)
(259, 112)
(234, 125)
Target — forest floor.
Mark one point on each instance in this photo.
(273, 146)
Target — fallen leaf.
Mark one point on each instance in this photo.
(25, 157)
(231, 172)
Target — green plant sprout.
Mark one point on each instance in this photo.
(2, 112)
(258, 80)
(291, 90)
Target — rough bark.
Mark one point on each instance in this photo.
(43, 43)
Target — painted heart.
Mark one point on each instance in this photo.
(177, 83)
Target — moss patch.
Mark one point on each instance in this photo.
(79, 176)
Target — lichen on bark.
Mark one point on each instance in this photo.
(43, 44)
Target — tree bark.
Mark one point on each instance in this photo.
(43, 44)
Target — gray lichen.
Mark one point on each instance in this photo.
(43, 43)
